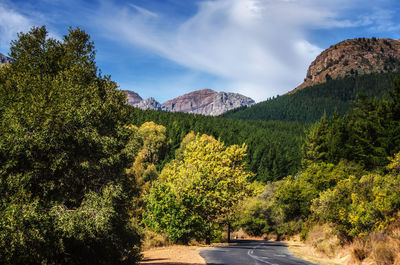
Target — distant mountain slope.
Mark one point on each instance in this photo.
(205, 101)
(4, 59)
(190, 101)
(309, 104)
(333, 81)
(133, 97)
(353, 57)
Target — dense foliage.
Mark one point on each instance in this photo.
(309, 104)
(273, 148)
(368, 134)
(198, 191)
(350, 178)
(63, 153)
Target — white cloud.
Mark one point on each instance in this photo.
(259, 46)
(144, 11)
(11, 22)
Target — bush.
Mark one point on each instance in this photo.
(359, 206)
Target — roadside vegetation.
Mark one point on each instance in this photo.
(348, 190)
(87, 179)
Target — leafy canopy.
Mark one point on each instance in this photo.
(198, 191)
(64, 149)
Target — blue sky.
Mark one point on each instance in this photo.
(165, 48)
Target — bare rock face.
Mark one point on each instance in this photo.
(5, 60)
(148, 104)
(191, 101)
(133, 97)
(222, 102)
(207, 102)
(353, 57)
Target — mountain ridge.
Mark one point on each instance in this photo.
(333, 81)
(353, 57)
(203, 101)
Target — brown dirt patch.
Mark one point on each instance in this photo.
(173, 255)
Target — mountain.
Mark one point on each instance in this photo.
(191, 102)
(4, 59)
(148, 104)
(205, 101)
(133, 98)
(351, 58)
(333, 81)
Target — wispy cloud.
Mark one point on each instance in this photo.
(144, 11)
(14, 21)
(259, 47)
(382, 20)
(11, 22)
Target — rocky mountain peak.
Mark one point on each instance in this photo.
(149, 104)
(190, 101)
(133, 97)
(204, 101)
(353, 57)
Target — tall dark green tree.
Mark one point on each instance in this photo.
(315, 148)
(63, 153)
(368, 134)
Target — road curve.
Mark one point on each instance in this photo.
(251, 252)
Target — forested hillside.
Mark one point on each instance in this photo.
(348, 189)
(309, 104)
(274, 148)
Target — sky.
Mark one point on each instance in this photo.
(166, 48)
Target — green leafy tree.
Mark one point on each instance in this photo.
(143, 170)
(260, 215)
(64, 148)
(295, 196)
(198, 191)
(360, 205)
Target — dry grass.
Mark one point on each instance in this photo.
(173, 255)
(309, 253)
(377, 248)
(153, 240)
(322, 238)
(323, 247)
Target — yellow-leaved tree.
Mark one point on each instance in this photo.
(143, 170)
(196, 194)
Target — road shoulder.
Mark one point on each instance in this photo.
(173, 255)
(306, 252)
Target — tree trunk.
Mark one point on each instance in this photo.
(229, 231)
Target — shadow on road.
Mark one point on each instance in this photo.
(165, 262)
(250, 244)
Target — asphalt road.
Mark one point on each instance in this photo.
(251, 252)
